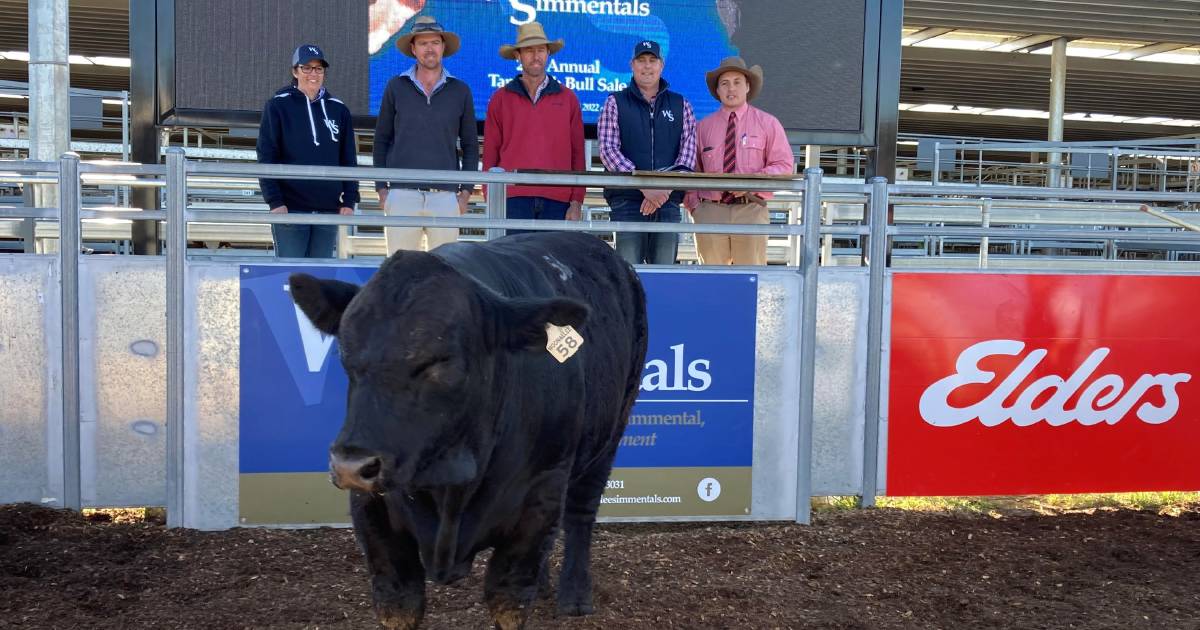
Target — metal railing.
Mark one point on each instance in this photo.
(1158, 164)
(70, 174)
(877, 197)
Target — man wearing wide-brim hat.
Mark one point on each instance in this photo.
(534, 122)
(425, 114)
(737, 138)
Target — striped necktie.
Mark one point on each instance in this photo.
(730, 152)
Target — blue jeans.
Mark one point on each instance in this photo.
(652, 248)
(535, 208)
(304, 241)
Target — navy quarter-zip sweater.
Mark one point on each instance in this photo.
(295, 130)
(415, 131)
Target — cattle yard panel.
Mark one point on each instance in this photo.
(123, 394)
(120, 349)
(30, 369)
(122, 380)
(183, 462)
(839, 411)
(844, 443)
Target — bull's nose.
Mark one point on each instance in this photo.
(355, 473)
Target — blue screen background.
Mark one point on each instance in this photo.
(691, 34)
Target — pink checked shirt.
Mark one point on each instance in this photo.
(762, 148)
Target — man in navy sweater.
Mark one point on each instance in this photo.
(425, 116)
(646, 127)
(304, 124)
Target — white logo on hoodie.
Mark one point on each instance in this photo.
(333, 129)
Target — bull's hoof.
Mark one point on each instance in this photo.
(509, 619)
(394, 618)
(575, 609)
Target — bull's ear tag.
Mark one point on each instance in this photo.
(562, 342)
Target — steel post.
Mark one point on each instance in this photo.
(176, 376)
(143, 121)
(812, 156)
(29, 226)
(49, 87)
(125, 148)
(985, 222)
(882, 160)
(68, 269)
(1058, 97)
(878, 248)
(937, 163)
(497, 207)
(808, 341)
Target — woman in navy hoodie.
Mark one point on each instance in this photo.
(304, 124)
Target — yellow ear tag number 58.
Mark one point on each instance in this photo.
(562, 342)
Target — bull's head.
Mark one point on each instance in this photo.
(422, 345)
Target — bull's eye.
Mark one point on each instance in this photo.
(423, 368)
(439, 371)
(430, 368)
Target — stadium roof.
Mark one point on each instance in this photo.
(1127, 60)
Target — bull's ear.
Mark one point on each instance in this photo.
(526, 320)
(323, 301)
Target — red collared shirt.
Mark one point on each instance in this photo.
(762, 148)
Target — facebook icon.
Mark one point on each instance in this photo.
(708, 489)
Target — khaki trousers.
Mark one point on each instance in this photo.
(407, 202)
(729, 249)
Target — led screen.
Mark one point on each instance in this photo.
(811, 50)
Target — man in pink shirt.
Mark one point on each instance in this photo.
(738, 138)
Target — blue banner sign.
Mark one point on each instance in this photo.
(688, 449)
(697, 400)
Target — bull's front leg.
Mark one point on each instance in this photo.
(579, 520)
(393, 562)
(514, 572)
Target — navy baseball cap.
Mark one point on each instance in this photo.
(306, 53)
(646, 46)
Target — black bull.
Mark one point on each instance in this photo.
(463, 432)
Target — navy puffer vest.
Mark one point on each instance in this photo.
(650, 135)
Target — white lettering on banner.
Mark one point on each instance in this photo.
(528, 9)
(1104, 400)
(316, 343)
(565, 67)
(658, 376)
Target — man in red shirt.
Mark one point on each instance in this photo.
(534, 123)
(737, 138)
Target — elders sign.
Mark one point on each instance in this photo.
(1020, 384)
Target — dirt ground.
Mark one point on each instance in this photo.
(882, 568)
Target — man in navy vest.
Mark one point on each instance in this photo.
(646, 127)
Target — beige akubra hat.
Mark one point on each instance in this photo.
(530, 34)
(754, 76)
(427, 25)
